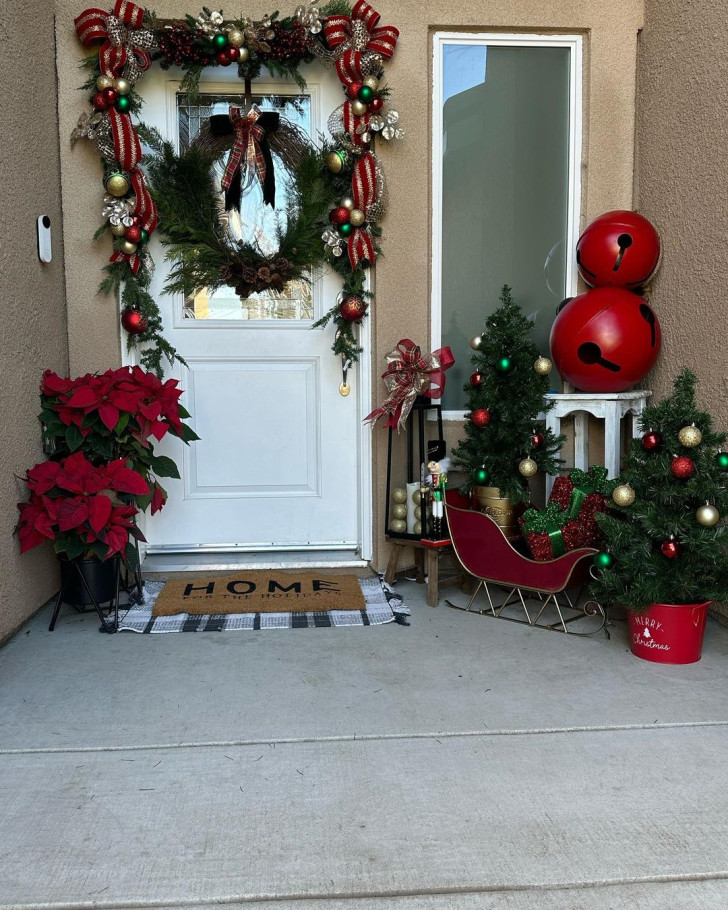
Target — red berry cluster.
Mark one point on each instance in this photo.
(290, 43)
(179, 47)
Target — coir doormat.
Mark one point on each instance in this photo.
(382, 605)
(261, 592)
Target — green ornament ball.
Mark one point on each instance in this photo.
(345, 229)
(721, 461)
(365, 94)
(504, 365)
(481, 476)
(145, 235)
(603, 560)
(220, 41)
(123, 104)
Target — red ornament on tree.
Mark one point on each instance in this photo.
(476, 379)
(136, 220)
(233, 52)
(376, 105)
(133, 321)
(133, 234)
(682, 467)
(339, 215)
(111, 96)
(224, 58)
(537, 440)
(651, 440)
(99, 102)
(353, 90)
(671, 548)
(481, 417)
(353, 309)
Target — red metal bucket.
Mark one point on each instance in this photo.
(669, 633)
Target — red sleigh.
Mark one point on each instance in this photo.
(545, 595)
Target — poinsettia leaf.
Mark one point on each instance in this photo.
(98, 549)
(116, 538)
(74, 438)
(109, 415)
(188, 434)
(73, 547)
(131, 557)
(164, 466)
(122, 423)
(143, 502)
(183, 412)
(99, 510)
(72, 513)
(159, 498)
(29, 537)
(84, 397)
(127, 481)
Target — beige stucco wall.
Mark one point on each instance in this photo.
(403, 275)
(681, 183)
(32, 301)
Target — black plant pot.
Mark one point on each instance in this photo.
(100, 576)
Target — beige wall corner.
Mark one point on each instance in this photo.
(681, 185)
(32, 294)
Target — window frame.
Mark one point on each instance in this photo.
(574, 43)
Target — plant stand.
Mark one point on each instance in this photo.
(76, 573)
(427, 565)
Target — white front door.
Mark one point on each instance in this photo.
(279, 462)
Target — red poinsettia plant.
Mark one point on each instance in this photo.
(76, 505)
(117, 414)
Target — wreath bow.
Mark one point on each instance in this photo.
(126, 43)
(361, 31)
(248, 154)
(408, 375)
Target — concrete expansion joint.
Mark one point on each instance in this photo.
(364, 737)
(325, 897)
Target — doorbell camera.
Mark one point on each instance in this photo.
(44, 238)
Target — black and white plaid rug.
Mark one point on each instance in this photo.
(382, 606)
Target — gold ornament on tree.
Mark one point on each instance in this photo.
(623, 495)
(690, 436)
(707, 515)
(104, 82)
(126, 246)
(117, 185)
(371, 82)
(543, 366)
(235, 37)
(118, 230)
(528, 467)
(357, 217)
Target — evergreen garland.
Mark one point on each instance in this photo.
(640, 574)
(514, 399)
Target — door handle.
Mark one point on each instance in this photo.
(344, 387)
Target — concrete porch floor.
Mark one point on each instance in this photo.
(462, 762)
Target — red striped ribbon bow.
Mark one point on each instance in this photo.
(380, 39)
(246, 153)
(409, 373)
(147, 211)
(364, 192)
(124, 39)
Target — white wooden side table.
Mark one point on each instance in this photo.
(609, 407)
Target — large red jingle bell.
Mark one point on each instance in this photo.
(618, 249)
(605, 340)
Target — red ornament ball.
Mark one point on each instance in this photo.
(376, 105)
(605, 340)
(353, 90)
(476, 379)
(136, 220)
(537, 440)
(671, 548)
(224, 58)
(651, 440)
(618, 249)
(99, 102)
(133, 234)
(233, 52)
(111, 96)
(339, 215)
(353, 309)
(682, 467)
(133, 321)
(481, 417)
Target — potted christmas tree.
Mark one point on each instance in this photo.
(664, 557)
(504, 443)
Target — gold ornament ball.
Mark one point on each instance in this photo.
(528, 467)
(399, 510)
(117, 230)
(244, 54)
(417, 527)
(335, 163)
(358, 108)
(235, 37)
(476, 342)
(371, 82)
(623, 495)
(122, 86)
(399, 525)
(104, 82)
(347, 202)
(357, 217)
(418, 513)
(126, 246)
(417, 497)
(543, 366)
(690, 436)
(117, 185)
(707, 515)
(399, 495)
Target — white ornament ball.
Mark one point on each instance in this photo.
(476, 342)
(707, 515)
(399, 495)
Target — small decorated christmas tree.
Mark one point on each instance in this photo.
(504, 443)
(666, 541)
